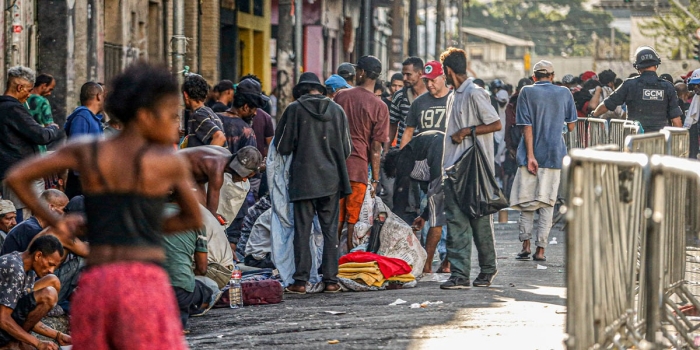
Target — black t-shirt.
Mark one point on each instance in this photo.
(428, 113)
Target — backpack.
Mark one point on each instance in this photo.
(262, 292)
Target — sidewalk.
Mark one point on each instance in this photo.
(525, 308)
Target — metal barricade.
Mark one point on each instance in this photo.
(578, 138)
(671, 220)
(649, 144)
(606, 193)
(677, 141)
(597, 132)
(617, 131)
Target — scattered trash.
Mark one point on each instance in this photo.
(554, 240)
(560, 312)
(415, 306)
(334, 341)
(398, 302)
(560, 271)
(435, 277)
(336, 312)
(426, 304)
(220, 336)
(540, 267)
(511, 285)
(502, 257)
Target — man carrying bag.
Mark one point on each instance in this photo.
(469, 111)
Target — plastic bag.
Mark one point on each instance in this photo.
(477, 191)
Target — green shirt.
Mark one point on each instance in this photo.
(179, 253)
(40, 109)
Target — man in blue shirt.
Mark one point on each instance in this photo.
(85, 120)
(542, 111)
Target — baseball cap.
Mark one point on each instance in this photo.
(568, 79)
(346, 69)
(695, 77)
(588, 75)
(252, 89)
(543, 67)
(246, 161)
(336, 82)
(6, 207)
(502, 96)
(666, 77)
(369, 64)
(687, 76)
(432, 70)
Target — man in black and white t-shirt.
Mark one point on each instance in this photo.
(24, 301)
(428, 110)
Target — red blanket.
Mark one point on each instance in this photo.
(389, 267)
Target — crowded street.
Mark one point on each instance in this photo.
(350, 174)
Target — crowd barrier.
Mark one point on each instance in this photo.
(630, 219)
(590, 132)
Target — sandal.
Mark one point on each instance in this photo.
(292, 291)
(543, 258)
(332, 288)
(523, 255)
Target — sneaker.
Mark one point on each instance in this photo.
(456, 283)
(484, 279)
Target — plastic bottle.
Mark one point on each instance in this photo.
(235, 292)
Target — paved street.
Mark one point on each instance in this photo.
(525, 308)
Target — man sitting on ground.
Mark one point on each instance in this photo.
(25, 300)
(182, 251)
(18, 238)
(218, 175)
(8, 218)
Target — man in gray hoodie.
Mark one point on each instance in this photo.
(315, 130)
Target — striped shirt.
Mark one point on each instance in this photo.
(400, 106)
(202, 126)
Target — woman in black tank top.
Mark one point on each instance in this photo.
(126, 181)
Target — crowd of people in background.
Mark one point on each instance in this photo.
(143, 203)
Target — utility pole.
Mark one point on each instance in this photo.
(460, 23)
(298, 36)
(425, 30)
(413, 28)
(439, 19)
(285, 56)
(397, 32)
(179, 41)
(366, 27)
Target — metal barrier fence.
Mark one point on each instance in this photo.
(617, 131)
(671, 220)
(603, 240)
(677, 141)
(578, 138)
(597, 132)
(649, 144)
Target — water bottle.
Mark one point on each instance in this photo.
(235, 293)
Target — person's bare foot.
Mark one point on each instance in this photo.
(539, 255)
(444, 267)
(295, 289)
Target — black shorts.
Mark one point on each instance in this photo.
(191, 302)
(25, 305)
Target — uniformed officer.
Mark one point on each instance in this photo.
(650, 100)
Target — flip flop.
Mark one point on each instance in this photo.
(523, 256)
(289, 291)
(543, 258)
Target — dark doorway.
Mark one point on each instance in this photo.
(229, 45)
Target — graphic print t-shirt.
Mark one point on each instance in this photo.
(428, 113)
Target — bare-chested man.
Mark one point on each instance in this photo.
(222, 178)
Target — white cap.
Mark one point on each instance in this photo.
(695, 77)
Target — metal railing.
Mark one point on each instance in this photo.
(603, 240)
(617, 131)
(649, 144)
(677, 141)
(672, 218)
(597, 132)
(578, 138)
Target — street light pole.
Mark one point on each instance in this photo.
(298, 35)
(178, 40)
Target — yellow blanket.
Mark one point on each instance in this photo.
(368, 273)
(402, 278)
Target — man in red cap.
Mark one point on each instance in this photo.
(428, 110)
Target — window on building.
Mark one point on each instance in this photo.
(476, 53)
(258, 8)
(244, 6)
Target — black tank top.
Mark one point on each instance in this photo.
(123, 219)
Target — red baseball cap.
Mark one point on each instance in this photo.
(432, 70)
(588, 76)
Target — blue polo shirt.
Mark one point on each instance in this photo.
(83, 122)
(547, 108)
